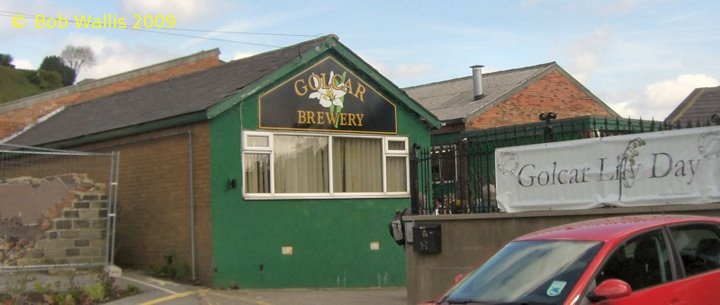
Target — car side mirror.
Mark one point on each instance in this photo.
(610, 289)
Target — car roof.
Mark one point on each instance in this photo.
(606, 229)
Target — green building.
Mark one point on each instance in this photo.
(278, 170)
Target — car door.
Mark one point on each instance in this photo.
(698, 247)
(644, 262)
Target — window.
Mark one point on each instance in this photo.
(300, 164)
(397, 164)
(443, 163)
(698, 246)
(642, 262)
(277, 164)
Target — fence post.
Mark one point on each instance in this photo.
(463, 172)
(414, 180)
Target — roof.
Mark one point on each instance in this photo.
(171, 98)
(88, 84)
(193, 97)
(454, 99)
(698, 106)
(606, 229)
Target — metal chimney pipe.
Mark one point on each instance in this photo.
(477, 81)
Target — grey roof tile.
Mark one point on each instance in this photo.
(453, 99)
(171, 98)
(698, 106)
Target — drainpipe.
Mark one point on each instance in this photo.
(192, 206)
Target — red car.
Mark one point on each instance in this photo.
(650, 259)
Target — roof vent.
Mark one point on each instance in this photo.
(477, 81)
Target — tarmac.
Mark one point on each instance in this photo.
(162, 291)
(159, 291)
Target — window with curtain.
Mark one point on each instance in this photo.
(357, 165)
(301, 164)
(396, 160)
(324, 165)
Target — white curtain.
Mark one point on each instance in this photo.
(301, 164)
(257, 173)
(396, 174)
(357, 165)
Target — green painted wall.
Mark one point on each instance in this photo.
(330, 237)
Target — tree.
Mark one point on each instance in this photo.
(45, 79)
(75, 57)
(54, 63)
(5, 60)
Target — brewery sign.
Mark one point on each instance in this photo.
(327, 97)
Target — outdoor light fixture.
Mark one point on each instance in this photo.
(547, 117)
(232, 184)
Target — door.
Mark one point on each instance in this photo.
(698, 247)
(643, 262)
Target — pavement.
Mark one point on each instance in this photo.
(159, 291)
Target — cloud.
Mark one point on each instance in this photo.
(240, 55)
(115, 57)
(23, 64)
(185, 10)
(402, 74)
(669, 93)
(585, 54)
(621, 6)
(410, 70)
(659, 98)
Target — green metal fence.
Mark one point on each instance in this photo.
(456, 175)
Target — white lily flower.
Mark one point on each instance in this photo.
(328, 96)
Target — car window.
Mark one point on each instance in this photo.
(699, 247)
(532, 272)
(642, 261)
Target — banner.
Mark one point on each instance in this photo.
(657, 168)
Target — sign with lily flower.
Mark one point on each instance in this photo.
(327, 97)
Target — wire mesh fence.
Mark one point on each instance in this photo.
(57, 208)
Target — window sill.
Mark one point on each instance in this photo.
(325, 196)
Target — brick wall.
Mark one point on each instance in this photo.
(154, 198)
(68, 226)
(552, 93)
(16, 115)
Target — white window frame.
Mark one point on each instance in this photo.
(386, 152)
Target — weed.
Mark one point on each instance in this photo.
(95, 292)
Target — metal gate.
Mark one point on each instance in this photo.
(57, 208)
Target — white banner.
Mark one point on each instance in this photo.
(669, 167)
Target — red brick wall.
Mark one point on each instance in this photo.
(14, 121)
(154, 198)
(552, 93)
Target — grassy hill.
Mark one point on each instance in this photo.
(16, 84)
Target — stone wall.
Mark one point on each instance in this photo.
(468, 239)
(53, 220)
